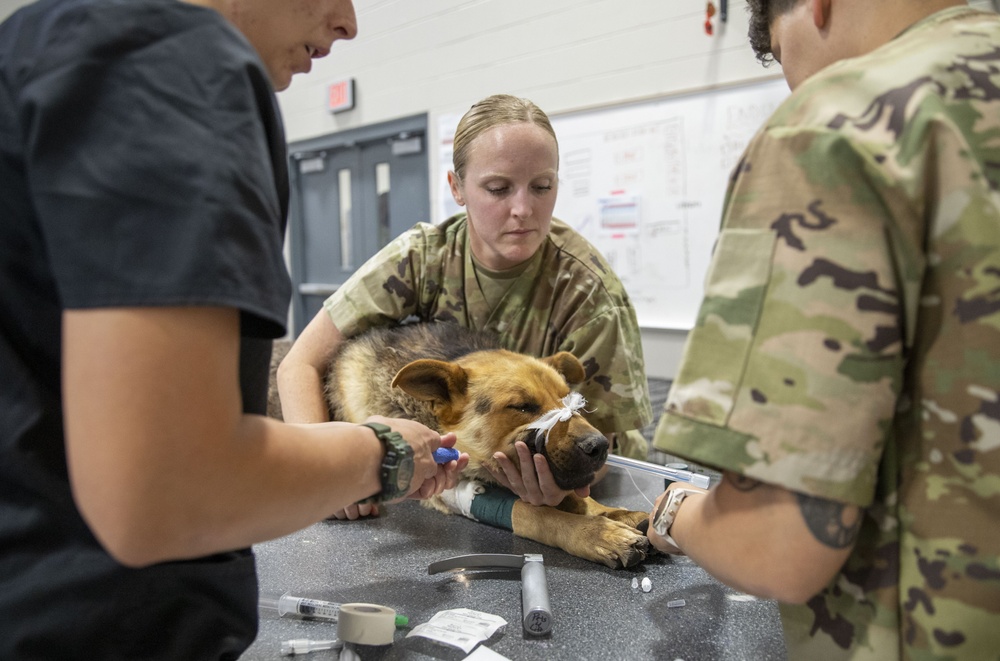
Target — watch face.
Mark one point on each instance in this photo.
(404, 475)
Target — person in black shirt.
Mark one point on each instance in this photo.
(142, 279)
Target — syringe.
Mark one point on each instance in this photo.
(289, 606)
(312, 609)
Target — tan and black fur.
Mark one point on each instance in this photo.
(456, 380)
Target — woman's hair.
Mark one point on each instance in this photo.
(494, 111)
(762, 13)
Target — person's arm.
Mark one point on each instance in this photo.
(762, 539)
(301, 376)
(162, 461)
(303, 371)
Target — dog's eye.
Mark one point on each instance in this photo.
(526, 408)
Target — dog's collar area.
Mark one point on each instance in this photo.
(572, 403)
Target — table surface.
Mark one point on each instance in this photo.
(596, 612)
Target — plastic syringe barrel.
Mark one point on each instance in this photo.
(288, 605)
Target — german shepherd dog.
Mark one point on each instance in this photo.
(452, 379)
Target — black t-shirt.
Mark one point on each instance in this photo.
(142, 163)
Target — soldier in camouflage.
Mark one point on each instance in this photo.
(844, 371)
(542, 288)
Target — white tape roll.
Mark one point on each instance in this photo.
(366, 624)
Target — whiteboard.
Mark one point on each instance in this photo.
(645, 184)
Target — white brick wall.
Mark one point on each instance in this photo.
(440, 56)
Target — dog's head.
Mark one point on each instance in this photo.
(490, 399)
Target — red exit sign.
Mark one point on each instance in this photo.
(340, 95)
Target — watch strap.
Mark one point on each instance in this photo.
(667, 512)
(397, 451)
(379, 429)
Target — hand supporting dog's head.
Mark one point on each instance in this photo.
(490, 399)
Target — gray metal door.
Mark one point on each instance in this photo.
(352, 193)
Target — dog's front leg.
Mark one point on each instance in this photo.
(588, 506)
(596, 538)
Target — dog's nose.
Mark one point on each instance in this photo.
(595, 446)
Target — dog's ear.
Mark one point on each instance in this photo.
(434, 381)
(568, 365)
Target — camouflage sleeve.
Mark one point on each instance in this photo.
(792, 371)
(632, 444)
(616, 388)
(382, 291)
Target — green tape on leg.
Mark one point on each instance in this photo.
(494, 507)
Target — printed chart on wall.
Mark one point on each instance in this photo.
(645, 184)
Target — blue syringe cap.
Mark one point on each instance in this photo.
(444, 455)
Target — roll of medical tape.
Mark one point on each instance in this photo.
(366, 624)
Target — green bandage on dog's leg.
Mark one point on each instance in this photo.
(494, 506)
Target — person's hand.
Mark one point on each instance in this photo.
(355, 511)
(442, 476)
(429, 477)
(532, 479)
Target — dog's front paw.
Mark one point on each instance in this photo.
(615, 544)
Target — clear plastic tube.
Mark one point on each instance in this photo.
(675, 474)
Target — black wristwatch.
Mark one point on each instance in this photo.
(397, 465)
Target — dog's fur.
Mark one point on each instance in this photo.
(455, 380)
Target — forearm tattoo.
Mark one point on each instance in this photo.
(833, 524)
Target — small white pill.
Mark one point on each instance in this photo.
(647, 584)
(635, 583)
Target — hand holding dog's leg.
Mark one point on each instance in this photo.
(445, 476)
(432, 486)
(429, 477)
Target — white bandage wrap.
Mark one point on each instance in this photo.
(572, 403)
(459, 500)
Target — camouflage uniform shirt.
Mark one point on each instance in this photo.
(566, 299)
(848, 345)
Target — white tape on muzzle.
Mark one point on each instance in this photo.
(572, 403)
